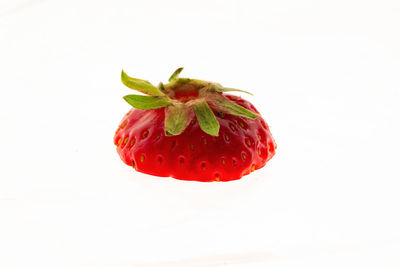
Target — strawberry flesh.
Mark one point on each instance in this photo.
(242, 146)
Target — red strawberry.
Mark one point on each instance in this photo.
(190, 130)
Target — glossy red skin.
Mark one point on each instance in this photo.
(243, 145)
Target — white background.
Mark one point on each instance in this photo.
(325, 75)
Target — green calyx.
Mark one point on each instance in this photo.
(177, 118)
(205, 117)
(147, 102)
(184, 98)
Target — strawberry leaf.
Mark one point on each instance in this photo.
(140, 85)
(207, 121)
(224, 89)
(177, 118)
(147, 102)
(175, 75)
(221, 103)
(161, 87)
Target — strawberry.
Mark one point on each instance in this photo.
(191, 129)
